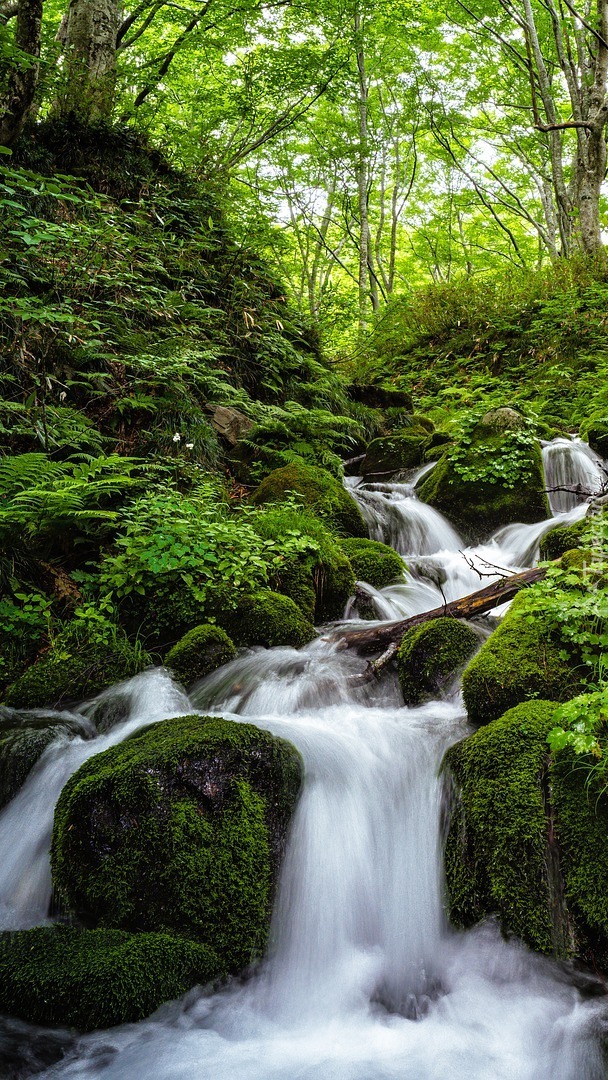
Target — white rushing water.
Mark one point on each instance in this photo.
(573, 473)
(364, 978)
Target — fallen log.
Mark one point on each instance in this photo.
(376, 638)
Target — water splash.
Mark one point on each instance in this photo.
(573, 473)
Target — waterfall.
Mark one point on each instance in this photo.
(364, 979)
(26, 823)
(573, 473)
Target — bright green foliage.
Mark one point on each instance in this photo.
(25, 619)
(318, 491)
(319, 579)
(180, 828)
(488, 479)
(524, 658)
(375, 563)
(496, 855)
(81, 661)
(267, 618)
(199, 652)
(87, 979)
(430, 656)
(296, 434)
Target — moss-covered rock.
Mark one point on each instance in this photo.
(522, 659)
(89, 979)
(431, 655)
(266, 618)
(497, 857)
(494, 479)
(163, 614)
(394, 453)
(527, 839)
(318, 491)
(24, 736)
(79, 664)
(597, 437)
(180, 828)
(373, 562)
(566, 537)
(319, 579)
(200, 652)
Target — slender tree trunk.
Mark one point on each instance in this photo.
(89, 35)
(19, 96)
(362, 178)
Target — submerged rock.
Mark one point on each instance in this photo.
(90, 979)
(24, 736)
(526, 841)
(317, 490)
(523, 659)
(180, 828)
(200, 651)
(430, 656)
(79, 664)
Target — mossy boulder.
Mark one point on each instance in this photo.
(566, 537)
(87, 979)
(200, 651)
(266, 618)
(431, 655)
(164, 613)
(496, 478)
(79, 664)
(180, 828)
(373, 562)
(319, 579)
(394, 453)
(318, 491)
(527, 838)
(523, 659)
(24, 736)
(380, 397)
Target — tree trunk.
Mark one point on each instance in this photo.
(362, 179)
(18, 99)
(380, 637)
(89, 35)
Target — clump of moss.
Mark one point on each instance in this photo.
(523, 659)
(267, 618)
(79, 664)
(163, 614)
(318, 491)
(320, 580)
(431, 655)
(373, 562)
(394, 453)
(566, 537)
(180, 828)
(497, 846)
(487, 482)
(200, 652)
(24, 736)
(87, 979)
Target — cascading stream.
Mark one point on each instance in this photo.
(573, 472)
(364, 979)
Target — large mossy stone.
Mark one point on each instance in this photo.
(523, 659)
(490, 482)
(24, 736)
(201, 651)
(581, 534)
(527, 838)
(267, 618)
(394, 453)
(431, 655)
(496, 856)
(319, 579)
(180, 828)
(78, 665)
(87, 979)
(373, 562)
(318, 491)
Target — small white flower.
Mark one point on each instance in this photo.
(189, 446)
(177, 437)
